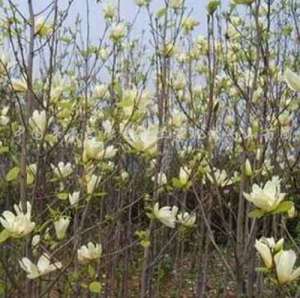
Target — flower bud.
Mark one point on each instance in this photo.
(248, 168)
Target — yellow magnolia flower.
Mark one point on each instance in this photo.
(36, 239)
(19, 224)
(4, 64)
(292, 79)
(101, 91)
(143, 139)
(266, 247)
(248, 168)
(91, 149)
(285, 261)
(186, 219)
(118, 32)
(42, 28)
(89, 252)
(74, 198)
(62, 170)
(94, 149)
(219, 177)
(61, 227)
(19, 85)
(142, 3)
(189, 24)
(42, 267)
(176, 4)
(184, 175)
(161, 179)
(266, 198)
(166, 215)
(92, 183)
(38, 122)
(109, 12)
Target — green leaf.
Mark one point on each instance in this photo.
(145, 243)
(2, 288)
(161, 12)
(212, 6)
(12, 174)
(256, 213)
(245, 2)
(3, 150)
(4, 235)
(63, 195)
(95, 287)
(92, 271)
(30, 178)
(262, 269)
(177, 183)
(283, 207)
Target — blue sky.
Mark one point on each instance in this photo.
(128, 11)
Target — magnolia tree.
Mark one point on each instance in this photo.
(156, 164)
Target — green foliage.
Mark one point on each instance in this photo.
(12, 174)
(283, 207)
(4, 235)
(213, 6)
(95, 287)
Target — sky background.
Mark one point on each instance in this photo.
(128, 12)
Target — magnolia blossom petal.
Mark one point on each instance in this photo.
(285, 262)
(30, 268)
(265, 253)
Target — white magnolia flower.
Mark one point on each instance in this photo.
(292, 212)
(109, 152)
(38, 122)
(19, 85)
(284, 262)
(101, 91)
(124, 175)
(31, 173)
(166, 215)
(92, 183)
(143, 139)
(74, 198)
(107, 126)
(118, 32)
(219, 177)
(266, 247)
(42, 28)
(62, 170)
(94, 149)
(142, 3)
(4, 119)
(176, 4)
(91, 149)
(89, 252)
(35, 240)
(4, 64)
(43, 266)
(109, 11)
(265, 253)
(248, 168)
(267, 198)
(161, 179)
(189, 24)
(184, 175)
(292, 79)
(19, 224)
(186, 219)
(61, 227)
